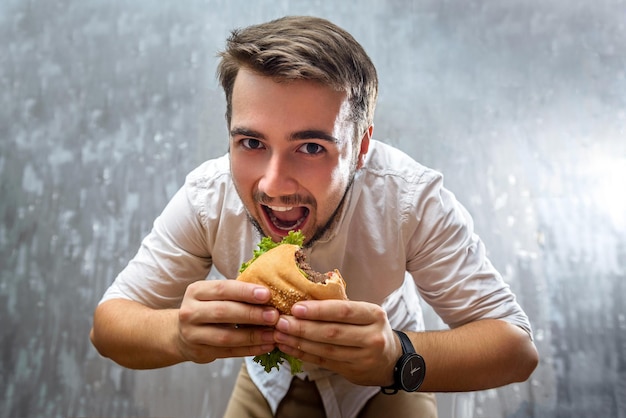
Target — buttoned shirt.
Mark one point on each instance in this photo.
(400, 236)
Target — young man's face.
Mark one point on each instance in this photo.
(292, 152)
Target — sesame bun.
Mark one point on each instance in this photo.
(278, 270)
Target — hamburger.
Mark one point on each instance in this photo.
(283, 268)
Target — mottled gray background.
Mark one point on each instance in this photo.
(106, 105)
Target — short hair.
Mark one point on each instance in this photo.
(303, 48)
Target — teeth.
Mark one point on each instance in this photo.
(280, 208)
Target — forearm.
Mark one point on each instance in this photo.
(136, 336)
(480, 355)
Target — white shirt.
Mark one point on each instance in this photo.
(398, 222)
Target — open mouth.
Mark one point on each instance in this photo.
(286, 218)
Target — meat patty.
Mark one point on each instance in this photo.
(312, 275)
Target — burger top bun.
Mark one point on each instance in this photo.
(277, 270)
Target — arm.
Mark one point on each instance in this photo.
(202, 330)
(480, 355)
(450, 268)
(355, 340)
(160, 310)
(134, 335)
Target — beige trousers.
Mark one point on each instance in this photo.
(304, 401)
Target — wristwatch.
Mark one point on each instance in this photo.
(410, 370)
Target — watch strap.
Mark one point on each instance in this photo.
(407, 345)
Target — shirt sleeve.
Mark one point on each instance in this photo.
(449, 264)
(173, 255)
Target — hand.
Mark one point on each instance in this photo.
(225, 318)
(353, 339)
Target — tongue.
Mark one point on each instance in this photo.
(289, 218)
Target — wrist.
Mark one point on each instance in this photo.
(397, 353)
(409, 370)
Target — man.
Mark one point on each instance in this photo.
(300, 95)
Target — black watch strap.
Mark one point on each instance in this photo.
(407, 345)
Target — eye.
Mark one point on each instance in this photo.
(251, 143)
(312, 148)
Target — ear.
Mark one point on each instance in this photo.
(365, 144)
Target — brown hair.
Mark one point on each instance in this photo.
(303, 48)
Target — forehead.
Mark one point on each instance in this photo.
(256, 95)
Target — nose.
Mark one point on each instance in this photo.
(279, 177)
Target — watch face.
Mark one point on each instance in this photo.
(412, 372)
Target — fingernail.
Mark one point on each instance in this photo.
(298, 310)
(261, 294)
(270, 315)
(282, 325)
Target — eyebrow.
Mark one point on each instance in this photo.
(246, 132)
(297, 136)
(313, 134)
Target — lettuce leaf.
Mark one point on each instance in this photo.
(266, 244)
(276, 357)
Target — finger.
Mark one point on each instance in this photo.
(226, 312)
(243, 337)
(325, 355)
(205, 343)
(224, 337)
(206, 354)
(345, 311)
(228, 290)
(247, 351)
(323, 332)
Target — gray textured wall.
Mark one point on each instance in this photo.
(105, 106)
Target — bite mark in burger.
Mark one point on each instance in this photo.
(283, 269)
